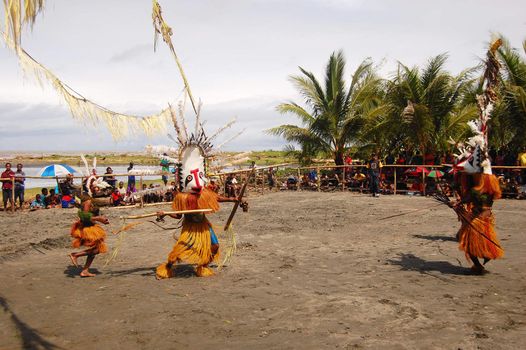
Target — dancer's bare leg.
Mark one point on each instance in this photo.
(477, 268)
(89, 260)
(73, 258)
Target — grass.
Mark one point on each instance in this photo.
(261, 158)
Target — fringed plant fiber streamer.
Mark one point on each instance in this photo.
(89, 113)
(17, 15)
(161, 27)
(121, 232)
(230, 247)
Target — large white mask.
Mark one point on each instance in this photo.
(193, 178)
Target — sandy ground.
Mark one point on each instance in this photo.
(312, 271)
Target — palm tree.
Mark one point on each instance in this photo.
(333, 115)
(509, 118)
(423, 108)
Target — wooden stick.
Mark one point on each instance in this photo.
(240, 198)
(194, 211)
(13, 195)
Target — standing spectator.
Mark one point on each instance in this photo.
(165, 167)
(109, 177)
(374, 166)
(20, 184)
(521, 161)
(229, 186)
(131, 178)
(7, 185)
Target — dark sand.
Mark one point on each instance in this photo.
(312, 271)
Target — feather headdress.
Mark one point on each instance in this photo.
(473, 156)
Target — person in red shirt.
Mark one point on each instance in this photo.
(7, 185)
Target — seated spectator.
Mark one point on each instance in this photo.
(122, 189)
(417, 187)
(96, 192)
(292, 182)
(37, 203)
(68, 188)
(109, 177)
(117, 197)
(53, 199)
(213, 186)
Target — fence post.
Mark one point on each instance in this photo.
(395, 179)
(298, 183)
(424, 182)
(262, 181)
(142, 195)
(318, 180)
(343, 180)
(12, 195)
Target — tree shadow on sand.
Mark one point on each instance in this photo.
(410, 262)
(436, 238)
(31, 339)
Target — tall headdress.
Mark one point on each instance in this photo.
(474, 154)
(194, 151)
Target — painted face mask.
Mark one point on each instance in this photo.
(192, 172)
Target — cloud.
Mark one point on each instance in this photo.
(131, 54)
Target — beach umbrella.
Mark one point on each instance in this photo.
(56, 170)
(416, 171)
(436, 173)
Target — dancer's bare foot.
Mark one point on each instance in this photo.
(73, 260)
(478, 270)
(86, 273)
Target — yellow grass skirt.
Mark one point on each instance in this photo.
(91, 236)
(473, 243)
(192, 247)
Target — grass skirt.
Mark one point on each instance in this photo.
(91, 236)
(193, 247)
(473, 243)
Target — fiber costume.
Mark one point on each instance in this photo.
(194, 245)
(197, 243)
(478, 187)
(87, 233)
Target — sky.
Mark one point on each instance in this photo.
(238, 56)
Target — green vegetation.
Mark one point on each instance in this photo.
(416, 110)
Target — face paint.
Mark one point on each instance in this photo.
(192, 170)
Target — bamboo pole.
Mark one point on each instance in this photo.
(178, 212)
(298, 183)
(394, 181)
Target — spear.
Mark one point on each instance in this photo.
(177, 212)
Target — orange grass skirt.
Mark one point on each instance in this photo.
(91, 236)
(473, 243)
